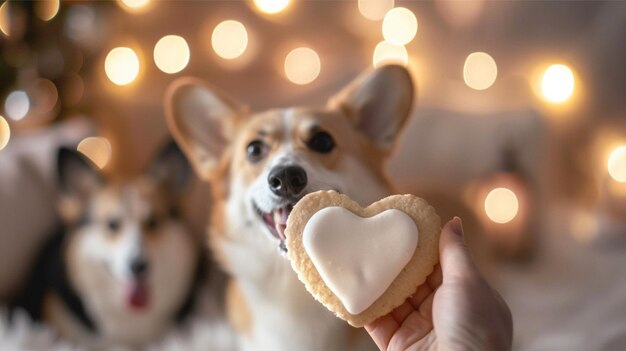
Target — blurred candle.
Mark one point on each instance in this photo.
(557, 84)
(97, 149)
(5, 133)
(501, 205)
(171, 54)
(480, 71)
(399, 26)
(122, 65)
(302, 65)
(229, 39)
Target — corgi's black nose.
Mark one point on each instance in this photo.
(287, 181)
(139, 266)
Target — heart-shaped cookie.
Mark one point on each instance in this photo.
(361, 263)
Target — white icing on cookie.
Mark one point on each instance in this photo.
(358, 258)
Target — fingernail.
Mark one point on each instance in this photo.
(457, 226)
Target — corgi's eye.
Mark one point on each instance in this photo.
(321, 142)
(114, 225)
(256, 150)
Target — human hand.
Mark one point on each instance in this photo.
(455, 309)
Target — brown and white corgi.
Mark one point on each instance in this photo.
(259, 166)
(124, 267)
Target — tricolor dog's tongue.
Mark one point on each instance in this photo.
(138, 294)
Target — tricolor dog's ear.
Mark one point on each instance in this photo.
(170, 168)
(78, 177)
(378, 103)
(202, 120)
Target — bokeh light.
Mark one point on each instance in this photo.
(5, 19)
(386, 53)
(97, 149)
(617, 164)
(46, 10)
(229, 39)
(302, 65)
(121, 65)
(134, 5)
(271, 6)
(17, 105)
(171, 54)
(399, 26)
(557, 84)
(480, 71)
(375, 10)
(46, 96)
(5, 133)
(501, 205)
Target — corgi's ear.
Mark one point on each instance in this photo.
(202, 120)
(78, 176)
(170, 168)
(378, 103)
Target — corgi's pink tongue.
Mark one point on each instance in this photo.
(138, 294)
(280, 220)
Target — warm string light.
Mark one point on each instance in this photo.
(5, 133)
(271, 6)
(302, 65)
(229, 39)
(480, 71)
(5, 19)
(617, 164)
(399, 26)
(97, 149)
(386, 53)
(171, 54)
(557, 84)
(134, 5)
(375, 10)
(501, 205)
(122, 65)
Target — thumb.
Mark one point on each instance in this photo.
(455, 258)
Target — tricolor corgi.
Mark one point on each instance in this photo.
(259, 166)
(124, 267)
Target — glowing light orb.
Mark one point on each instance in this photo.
(271, 6)
(17, 105)
(557, 84)
(501, 205)
(229, 39)
(171, 54)
(134, 4)
(5, 18)
(375, 9)
(480, 71)
(97, 149)
(121, 65)
(5, 133)
(46, 10)
(302, 65)
(386, 53)
(617, 164)
(399, 26)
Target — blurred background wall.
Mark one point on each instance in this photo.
(526, 98)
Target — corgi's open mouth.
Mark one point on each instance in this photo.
(138, 294)
(276, 222)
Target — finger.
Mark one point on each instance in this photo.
(422, 292)
(382, 329)
(400, 313)
(455, 258)
(435, 279)
(426, 308)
